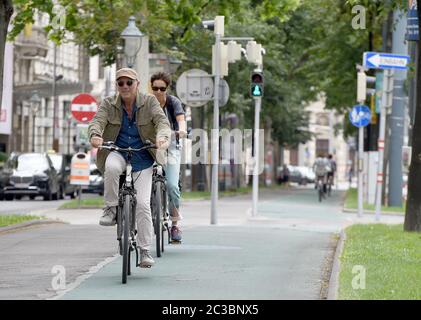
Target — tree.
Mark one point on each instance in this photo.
(413, 203)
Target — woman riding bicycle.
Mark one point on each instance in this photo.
(130, 118)
(172, 107)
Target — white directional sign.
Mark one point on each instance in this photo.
(377, 60)
(195, 87)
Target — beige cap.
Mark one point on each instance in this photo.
(126, 72)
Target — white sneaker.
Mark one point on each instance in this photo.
(146, 260)
(108, 217)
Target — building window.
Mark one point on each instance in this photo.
(47, 103)
(322, 119)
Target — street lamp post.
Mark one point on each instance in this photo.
(55, 104)
(132, 37)
(35, 101)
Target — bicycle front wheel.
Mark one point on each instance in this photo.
(126, 230)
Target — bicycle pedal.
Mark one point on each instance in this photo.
(175, 242)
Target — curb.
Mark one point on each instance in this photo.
(333, 287)
(27, 224)
(371, 212)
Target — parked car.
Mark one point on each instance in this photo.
(61, 163)
(301, 175)
(294, 174)
(96, 181)
(31, 174)
(307, 174)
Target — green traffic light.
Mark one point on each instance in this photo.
(257, 92)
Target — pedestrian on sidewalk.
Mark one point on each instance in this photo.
(286, 175)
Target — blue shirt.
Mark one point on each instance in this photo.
(129, 137)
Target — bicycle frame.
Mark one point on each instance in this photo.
(127, 188)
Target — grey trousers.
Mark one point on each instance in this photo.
(114, 167)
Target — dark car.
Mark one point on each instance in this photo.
(30, 174)
(96, 181)
(61, 163)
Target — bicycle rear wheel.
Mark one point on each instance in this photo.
(320, 191)
(158, 215)
(165, 228)
(126, 230)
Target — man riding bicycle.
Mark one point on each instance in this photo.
(173, 109)
(129, 119)
(321, 168)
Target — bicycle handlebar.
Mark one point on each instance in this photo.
(112, 147)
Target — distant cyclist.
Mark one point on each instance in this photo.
(331, 173)
(321, 168)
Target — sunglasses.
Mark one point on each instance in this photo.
(163, 89)
(128, 82)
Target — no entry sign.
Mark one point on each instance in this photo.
(84, 107)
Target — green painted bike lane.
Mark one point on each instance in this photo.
(281, 254)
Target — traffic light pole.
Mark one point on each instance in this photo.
(215, 132)
(361, 96)
(386, 102)
(257, 103)
(360, 170)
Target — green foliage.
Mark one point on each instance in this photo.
(311, 46)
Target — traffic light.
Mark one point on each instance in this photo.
(362, 81)
(256, 88)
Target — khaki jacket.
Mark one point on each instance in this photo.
(150, 120)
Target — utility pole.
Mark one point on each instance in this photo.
(221, 57)
(256, 92)
(55, 118)
(398, 115)
(219, 32)
(386, 102)
(362, 80)
(360, 166)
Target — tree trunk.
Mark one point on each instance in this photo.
(413, 205)
(6, 11)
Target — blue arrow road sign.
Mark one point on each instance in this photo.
(377, 60)
(360, 116)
